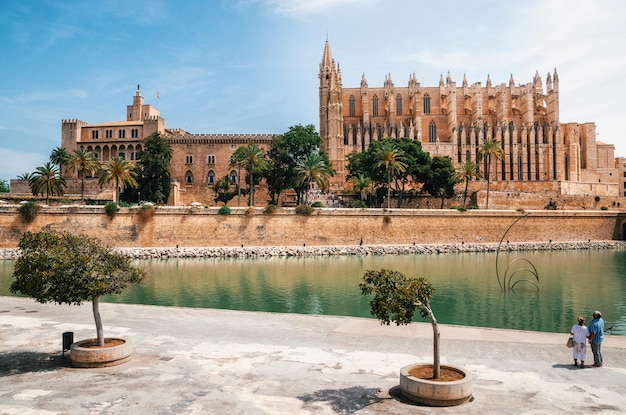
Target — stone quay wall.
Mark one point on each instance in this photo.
(194, 227)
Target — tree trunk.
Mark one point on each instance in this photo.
(251, 187)
(488, 176)
(436, 362)
(465, 194)
(388, 188)
(96, 317)
(82, 187)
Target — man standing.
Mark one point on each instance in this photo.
(596, 335)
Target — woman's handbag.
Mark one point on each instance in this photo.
(570, 342)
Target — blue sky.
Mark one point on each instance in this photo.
(251, 66)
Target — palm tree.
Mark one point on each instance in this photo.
(388, 155)
(250, 157)
(47, 179)
(490, 150)
(25, 176)
(362, 185)
(83, 161)
(119, 172)
(464, 173)
(313, 169)
(60, 157)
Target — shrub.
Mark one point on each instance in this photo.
(357, 204)
(271, 209)
(318, 204)
(224, 210)
(472, 207)
(386, 219)
(250, 211)
(551, 205)
(123, 204)
(304, 209)
(29, 211)
(111, 209)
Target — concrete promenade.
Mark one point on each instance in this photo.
(205, 361)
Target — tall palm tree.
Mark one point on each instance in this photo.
(313, 169)
(464, 173)
(362, 185)
(119, 172)
(388, 155)
(490, 150)
(83, 161)
(250, 157)
(47, 180)
(60, 157)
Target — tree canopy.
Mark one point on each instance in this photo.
(408, 164)
(285, 153)
(70, 269)
(397, 297)
(153, 170)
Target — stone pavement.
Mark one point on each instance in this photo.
(204, 361)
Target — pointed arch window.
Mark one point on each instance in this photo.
(233, 176)
(398, 104)
(210, 177)
(375, 106)
(432, 132)
(188, 177)
(352, 106)
(426, 104)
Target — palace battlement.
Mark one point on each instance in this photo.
(73, 121)
(179, 136)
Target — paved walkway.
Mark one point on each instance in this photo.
(203, 361)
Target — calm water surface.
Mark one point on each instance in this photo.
(467, 293)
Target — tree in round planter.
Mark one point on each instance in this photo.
(70, 269)
(396, 297)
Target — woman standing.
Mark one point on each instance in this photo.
(580, 333)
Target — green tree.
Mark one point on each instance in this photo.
(362, 185)
(47, 180)
(119, 172)
(441, 181)
(60, 157)
(464, 173)
(222, 190)
(284, 154)
(396, 297)
(313, 169)
(70, 269)
(153, 169)
(490, 150)
(83, 161)
(389, 156)
(368, 163)
(252, 158)
(4, 186)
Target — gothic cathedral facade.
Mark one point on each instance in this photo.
(541, 153)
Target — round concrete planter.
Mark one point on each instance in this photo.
(115, 351)
(432, 393)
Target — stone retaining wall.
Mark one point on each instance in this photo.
(203, 227)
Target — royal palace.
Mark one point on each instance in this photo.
(542, 154)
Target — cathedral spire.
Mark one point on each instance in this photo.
(511, 82)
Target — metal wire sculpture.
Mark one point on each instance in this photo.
(507, 282)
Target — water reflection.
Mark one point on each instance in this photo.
(572, 283)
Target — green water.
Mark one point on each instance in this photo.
(467, 292)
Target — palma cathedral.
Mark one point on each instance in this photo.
(542, 154)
